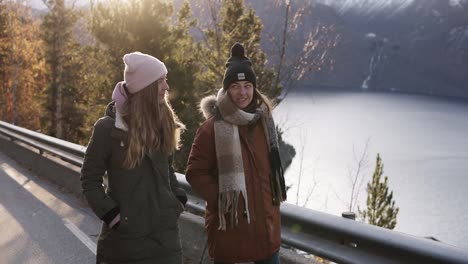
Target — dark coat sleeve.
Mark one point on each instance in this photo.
(201, 168)
(94, 167)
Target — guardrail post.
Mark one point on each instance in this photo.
(352, 216)
(349, 215)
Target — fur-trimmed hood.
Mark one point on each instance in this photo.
(207, 106)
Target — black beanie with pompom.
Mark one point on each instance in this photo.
(238, 67)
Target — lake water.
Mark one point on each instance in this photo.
(422, 140)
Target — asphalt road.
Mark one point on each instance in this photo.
(40, 223)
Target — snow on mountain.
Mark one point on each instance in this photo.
(368, 7)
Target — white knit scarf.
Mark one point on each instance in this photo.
(229, 156)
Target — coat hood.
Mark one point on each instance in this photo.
(110, 110)
(208, 106)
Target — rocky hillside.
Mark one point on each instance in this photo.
(397, 45)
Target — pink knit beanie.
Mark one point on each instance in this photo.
(140, 71)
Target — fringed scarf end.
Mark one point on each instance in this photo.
(227, 204)
(278, 182)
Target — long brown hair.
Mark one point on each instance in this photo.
(151, 126)
(259, 98)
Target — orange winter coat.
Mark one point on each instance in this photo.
(245, 242)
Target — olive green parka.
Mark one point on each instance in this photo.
(148, 198)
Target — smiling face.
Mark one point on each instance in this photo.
(241, 93)
(163, 87)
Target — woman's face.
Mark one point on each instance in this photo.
(241, 93)
(163, 87)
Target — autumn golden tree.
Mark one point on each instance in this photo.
(22, 66)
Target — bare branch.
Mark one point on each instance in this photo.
(301, 162)
(315, 183)
(357, 179)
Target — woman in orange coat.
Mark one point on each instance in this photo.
(234, 165)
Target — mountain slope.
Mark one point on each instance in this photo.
(411, 46)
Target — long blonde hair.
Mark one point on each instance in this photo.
(151, 126)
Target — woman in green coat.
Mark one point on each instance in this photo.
(141, 202)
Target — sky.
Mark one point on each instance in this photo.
(342, 5)
(39, 4)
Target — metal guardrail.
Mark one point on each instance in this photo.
(331, 237)
(67, 151)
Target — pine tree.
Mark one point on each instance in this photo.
(232, 22)
(77, 75)
(235, 23)
(124, 26)
(183, 77)
(62, 62)
(95, 90)
(149, 27)
(381, 210)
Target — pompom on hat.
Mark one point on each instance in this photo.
(238, 67)
(140, 71)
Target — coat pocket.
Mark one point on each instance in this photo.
(136, 216)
